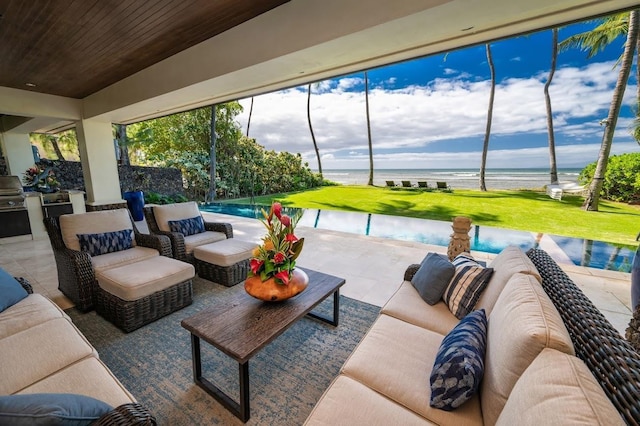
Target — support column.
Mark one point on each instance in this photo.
(99, 165)
(16, 148)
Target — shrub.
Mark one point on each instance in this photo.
(621, 180)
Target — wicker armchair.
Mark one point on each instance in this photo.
(76, 276)
(177, 239)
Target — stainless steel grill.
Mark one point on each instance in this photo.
(14, 217)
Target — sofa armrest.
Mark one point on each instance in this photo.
(162, 243)
(411, 271)
(226, 228)
(127, 414)
(25, 284)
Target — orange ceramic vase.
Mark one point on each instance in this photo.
(271, 291)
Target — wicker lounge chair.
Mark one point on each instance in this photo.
(182, 246)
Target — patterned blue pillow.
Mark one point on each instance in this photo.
(50, 409)
(459, 366)
(194, 225)
(108, 242)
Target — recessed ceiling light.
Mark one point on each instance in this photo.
(466, 29)
(30, 85)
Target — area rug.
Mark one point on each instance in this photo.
(286, 378)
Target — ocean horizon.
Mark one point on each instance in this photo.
(534, 178)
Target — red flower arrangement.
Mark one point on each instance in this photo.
(276, 256)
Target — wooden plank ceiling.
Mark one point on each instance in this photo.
(74, 48)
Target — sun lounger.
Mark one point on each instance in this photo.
(556, 190)
(406, 184)
(422, 184)
(390, 183)
(443, 186)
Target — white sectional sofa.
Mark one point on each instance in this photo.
(531, 373)
(42, 352)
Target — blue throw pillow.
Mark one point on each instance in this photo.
(433, 277)
(194, 225)
(11, 292)
(50, 409)
(459, 366)
(108, 242)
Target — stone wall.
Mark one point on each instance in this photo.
(166, 181)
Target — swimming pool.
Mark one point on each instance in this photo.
(594, 254)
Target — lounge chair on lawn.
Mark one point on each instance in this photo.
(443, 186)
(390, 183)
(406, 184)
(423, 185)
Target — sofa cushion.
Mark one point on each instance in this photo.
(30, 311)
(136, 280)
(459, 364)
(37, 352)
(88, 376)
(124, 257)
(11, 292)
(432, 277)
(558, 389)
(407, 305)
(190, 226)
(349, 402)
(207, 237)
(395, 359)
(51, 409)
(523, 322)
(92, 223)
(227, 252)
(510, 261)
(178, 211)
(106, 242)
(466, 286)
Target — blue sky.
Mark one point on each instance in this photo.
(431, 112)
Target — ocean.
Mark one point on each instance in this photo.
(455, 178)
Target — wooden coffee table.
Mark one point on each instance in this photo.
(242, 326)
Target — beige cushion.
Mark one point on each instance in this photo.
(348, 402)
(178, 211)
(206, 237)
(140, 279)
(407, 305)
(87, 377)
(225, 252)
(558, 389)
(93, 223)
(523, 322)
(39, 351)
(123, 257)
(510, 261)
(32, 310)
(395, 359)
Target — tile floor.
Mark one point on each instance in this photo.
(373, 267)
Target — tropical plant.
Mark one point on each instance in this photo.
(594, 41)
(621, 180)
(487, 133)
(553, 169)
(276, 256)
(313, 136)
(366, 98)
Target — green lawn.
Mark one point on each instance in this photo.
(522, 210)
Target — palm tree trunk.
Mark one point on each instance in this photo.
(250, 113)
(121, 136)
(593, 193)
(547, 98)
(212, 158)
(56, 147)
(366, 100)
(313, 136)
(487, 133)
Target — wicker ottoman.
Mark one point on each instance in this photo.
(138, 293)
(224, 262)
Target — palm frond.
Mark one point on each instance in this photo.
(594, 41)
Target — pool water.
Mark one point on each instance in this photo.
(594, 254)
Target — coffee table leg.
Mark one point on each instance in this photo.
(241, 410)
(336, 311)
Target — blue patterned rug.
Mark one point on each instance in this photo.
(286, 378)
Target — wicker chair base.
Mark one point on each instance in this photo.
(225, 275)
(131, 315)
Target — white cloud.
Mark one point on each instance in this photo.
(405, 121)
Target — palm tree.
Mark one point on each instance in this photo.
(487, 133)
(123, 144)
(366, 99)
(547, 98)
(594, 41)
(313, 136)
(212, 156)
(250, 112)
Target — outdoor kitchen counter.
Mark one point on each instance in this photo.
(38, 204)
